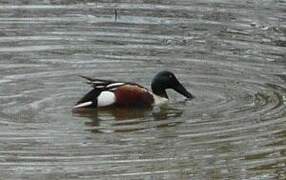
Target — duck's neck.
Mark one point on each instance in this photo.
(159, 91)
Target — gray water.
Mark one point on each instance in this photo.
(229, 54)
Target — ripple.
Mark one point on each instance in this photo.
(230, 55)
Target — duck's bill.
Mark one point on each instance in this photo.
(182, 90)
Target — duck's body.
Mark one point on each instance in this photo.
(108, 93)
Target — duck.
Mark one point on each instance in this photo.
(110, 93)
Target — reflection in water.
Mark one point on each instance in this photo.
(128, 119)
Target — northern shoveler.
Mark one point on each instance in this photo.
(108, 93)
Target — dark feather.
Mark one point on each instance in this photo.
(90, 96)
(101, 84)
(99, 80)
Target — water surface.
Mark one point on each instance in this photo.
(229, 54)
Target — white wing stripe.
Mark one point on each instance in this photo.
(83, 104)
(100, 86)
(114, 85)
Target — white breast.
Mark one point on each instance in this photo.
(105, 98)
(159, 100)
